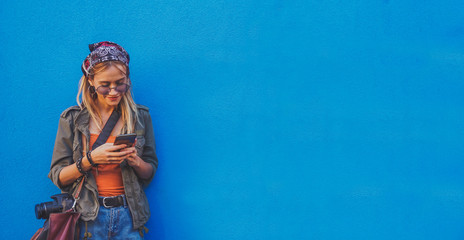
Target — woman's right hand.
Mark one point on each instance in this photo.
(110, 154)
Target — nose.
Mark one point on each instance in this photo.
(113, 90)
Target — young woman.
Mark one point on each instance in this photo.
(112, 201)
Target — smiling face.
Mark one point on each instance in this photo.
(111, 77)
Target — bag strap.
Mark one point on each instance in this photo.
(107, 129)
(79, 188)
(77, 192)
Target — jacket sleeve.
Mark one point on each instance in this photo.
(62, 152)
(149, 149)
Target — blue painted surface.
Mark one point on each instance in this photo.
(273, 119)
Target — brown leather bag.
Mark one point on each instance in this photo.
(61, 226)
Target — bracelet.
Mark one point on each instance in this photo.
(89, 157)
(79, 166)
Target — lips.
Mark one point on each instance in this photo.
(113, 98)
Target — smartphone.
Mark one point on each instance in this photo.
(127, 139)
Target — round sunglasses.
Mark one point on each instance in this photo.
(120, 88)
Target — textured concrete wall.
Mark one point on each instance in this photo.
(273, 119)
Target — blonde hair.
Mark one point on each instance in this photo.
(127, 106)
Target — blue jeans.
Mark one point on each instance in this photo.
(111, 223)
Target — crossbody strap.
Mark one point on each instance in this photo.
(107, 129)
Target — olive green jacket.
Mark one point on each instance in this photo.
(74, 123)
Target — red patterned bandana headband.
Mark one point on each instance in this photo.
(102, 52)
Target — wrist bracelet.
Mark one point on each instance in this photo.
(79, 166)
(89, 157)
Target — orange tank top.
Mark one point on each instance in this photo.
(108, 176)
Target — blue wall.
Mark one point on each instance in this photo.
(273, 119)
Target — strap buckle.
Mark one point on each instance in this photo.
(74, 204)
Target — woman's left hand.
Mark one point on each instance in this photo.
(132, 158)
(143, 169)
